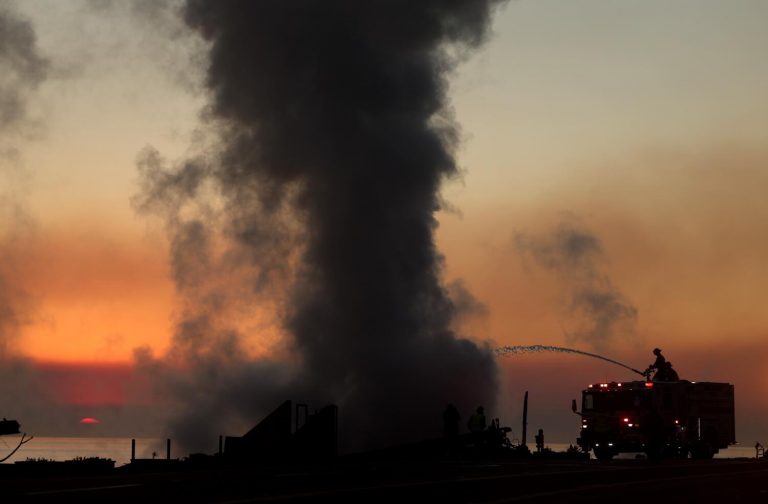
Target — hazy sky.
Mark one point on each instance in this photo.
(640, 126)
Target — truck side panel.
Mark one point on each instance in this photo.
(713, 405)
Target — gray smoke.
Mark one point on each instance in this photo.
(335, 137)
(599, 312)
(210, 385)
(159, 37)
(22, 68)
(468, 311)
(15, 303)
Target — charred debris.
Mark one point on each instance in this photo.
(297, 434)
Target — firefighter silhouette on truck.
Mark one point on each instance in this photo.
(659, 366)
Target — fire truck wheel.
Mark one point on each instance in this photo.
(604, 454)
(703, 450)
(655, 452)
(706, 447)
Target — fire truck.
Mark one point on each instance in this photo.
(662, 419)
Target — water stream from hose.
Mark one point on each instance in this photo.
(509, 350)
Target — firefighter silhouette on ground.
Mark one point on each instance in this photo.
(540, 440)
(476, 423)
(451, 420)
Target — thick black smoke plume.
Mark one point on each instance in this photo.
(336, 137)
(599, 311)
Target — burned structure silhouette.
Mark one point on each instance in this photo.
(288, 434)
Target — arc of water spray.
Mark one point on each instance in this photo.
(507, 350)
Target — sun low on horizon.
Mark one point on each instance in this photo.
(636, 131)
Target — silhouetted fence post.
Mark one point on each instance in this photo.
(525, 417)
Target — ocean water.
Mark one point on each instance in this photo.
(67, 448)
(119, 449)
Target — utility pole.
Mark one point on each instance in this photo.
(525, 417)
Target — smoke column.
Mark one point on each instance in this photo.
(600, 313)
(508, 350)
(335, 138)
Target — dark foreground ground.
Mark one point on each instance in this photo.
(616, 482)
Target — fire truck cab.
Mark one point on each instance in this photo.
(662, 419)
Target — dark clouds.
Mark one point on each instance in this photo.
(599, 313)
(335, 136)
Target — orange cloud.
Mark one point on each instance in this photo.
(98, 295)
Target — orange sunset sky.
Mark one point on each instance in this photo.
(641, 123)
